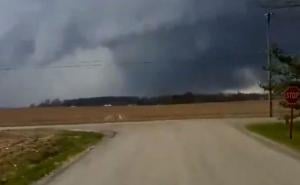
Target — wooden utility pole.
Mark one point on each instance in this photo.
(269, 53)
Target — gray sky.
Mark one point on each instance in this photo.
(145, 47)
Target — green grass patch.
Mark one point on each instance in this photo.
(278, 132)
(32, 166)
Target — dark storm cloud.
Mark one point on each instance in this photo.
(146, 47)
(226, 52)
(206, 56)
(16, 46)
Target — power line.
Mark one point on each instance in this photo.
(94, 64)
(8, 68)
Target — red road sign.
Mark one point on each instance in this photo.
(292, 95)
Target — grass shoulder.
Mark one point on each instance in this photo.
(40, 153)
(278, 132)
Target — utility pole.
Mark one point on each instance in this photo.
(269, 53)
(268, 15)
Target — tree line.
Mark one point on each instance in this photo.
(185, 98)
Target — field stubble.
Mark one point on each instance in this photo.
(79, 115)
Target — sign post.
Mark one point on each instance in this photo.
(292, 123)
(292, 95)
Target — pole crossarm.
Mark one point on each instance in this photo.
(279, 4)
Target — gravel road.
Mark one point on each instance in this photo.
(189, 152)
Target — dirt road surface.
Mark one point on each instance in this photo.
(190, 152)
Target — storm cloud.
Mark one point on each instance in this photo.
(134, 47)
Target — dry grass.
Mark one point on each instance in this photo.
(65, 115)
(28, 155)
(14, 145)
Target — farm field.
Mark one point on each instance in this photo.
(80, 115)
